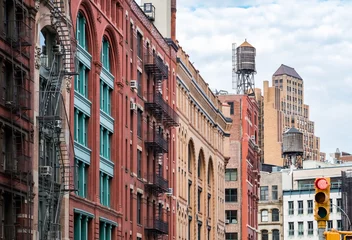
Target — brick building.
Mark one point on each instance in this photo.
(242, 171)
(124, 119)
(201, 156)
(16, 119)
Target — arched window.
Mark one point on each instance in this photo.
(265, 235)
(190, 156)
(81, 31)
(264, 215)
(105, 59)
(275, 217)
(276, 234)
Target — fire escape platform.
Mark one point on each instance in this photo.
(158, 184)
(155, 65)
(156, 226)
(156, 142)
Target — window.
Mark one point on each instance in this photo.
(131, 36)
(330, 225)
(276, 234)
(105, 143)
(139, 123)
(231, 174)
(81, 80)
(274, 192)
(232, 109)
(105, 97)
(105, 231)
(339, 225)
(231, 195)
(199, 199)
(231, 216)
(189, 228)
(310, 227)
(81, 226)
(291, 229)
(339, 204)
(290, 208)
(275, 217)
(265, 235)
(139, 163)
(189, 192)
(82, 178)
(139, 45)
(300, 228)
(81, 128)
(264, 193)
(264, 215)
(310, 206)
(139, 208)
(81, 31)
(104, 189)
(300, 207)
(331, 208)
(189, 157)
(139, 83)
(199, 232)
(208, 205)
(231, 236)
(105, 59)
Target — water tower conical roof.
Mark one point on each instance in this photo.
(246, 44)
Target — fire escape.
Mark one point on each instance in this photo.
(165, 117)
(56, 173)
(16, 162)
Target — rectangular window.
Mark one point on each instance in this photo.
(81, 80)
(139, 83)
(274, 195)
(331, 208)
(300, 207)
(105, 143)
(81, 31)
(231, 216)
(310, 206)
(300, 229)
(231, 236)
(231, 195)
(231, 174)
(139, 45)
(330, 225)
(105, 59)
(189, 229)
(232, 109)
(139, 123)
(310, 228)
(189, 192)
(264, 193)
(290, 208)
(291, 229)
(80, 228)
(139, 163)
(105, 189)
(199, 232)
(82, 178)
(131, 36)
(199, 199)
(105, 231)
(339, 225)
(105, 98)
(139, 208)
(81, 127)
(339, 204)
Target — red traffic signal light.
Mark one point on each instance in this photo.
(322, 199)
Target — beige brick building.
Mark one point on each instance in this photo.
(283, 108)
(201, 156)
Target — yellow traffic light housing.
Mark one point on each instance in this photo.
(332, 236)
(322, 199)
(348, 237)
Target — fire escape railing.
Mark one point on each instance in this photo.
(160, 109)
(156, 142)
(157, 226)
(155, 65)
(157, 183)
(18, 33)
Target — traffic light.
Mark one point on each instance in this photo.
(332, 236)
(322, 199)
(348, 237)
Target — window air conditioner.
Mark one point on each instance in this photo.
(134, 84)
(169, 192)
(45, 170)
(227, 221)
(133, 106)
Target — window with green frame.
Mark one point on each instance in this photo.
(82, 178)
(105, 189)
(81, 127)
(105, 231)
(105, 142)
(105, 97)
(105, 60)
(81, 31)
(81, 229)
(81, 80)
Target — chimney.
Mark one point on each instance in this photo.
(164, 16)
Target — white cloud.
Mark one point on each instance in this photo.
(312, 36)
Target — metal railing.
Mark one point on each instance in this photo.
(16, 163)
(158, 181)
(156, 99)
(155, 65)
(18, 33)
(18, 97)
(154, 139)
(157, 225)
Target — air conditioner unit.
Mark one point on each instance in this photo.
(45, 170)
(56, 48)
(253, 137)
(227, 221)
(134, 84)
(169, 192)
(58, 124)
(133, 106)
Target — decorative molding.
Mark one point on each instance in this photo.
(37, 60)
(68, 83)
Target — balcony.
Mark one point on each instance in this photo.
(157, 183)
(156, 142)
(155, 65)
(160, 109)
(157, 226)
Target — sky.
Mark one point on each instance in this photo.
(312, 36)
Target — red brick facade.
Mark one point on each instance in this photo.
(113, 19)
(245, 157)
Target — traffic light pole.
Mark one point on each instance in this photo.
(321, 229)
